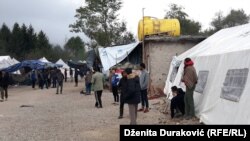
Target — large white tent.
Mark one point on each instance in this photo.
(61, 62)
(6, 61)
(222, 62)
(65, 66)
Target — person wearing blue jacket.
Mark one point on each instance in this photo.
(114, 82)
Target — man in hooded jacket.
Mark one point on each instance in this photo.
(133, 93)
(190, 79)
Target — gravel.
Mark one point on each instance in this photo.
(41, 115)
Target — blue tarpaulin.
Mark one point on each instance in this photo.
(33, 64)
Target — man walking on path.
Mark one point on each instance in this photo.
(60, 78)
(88, 78)
(6, 82)
(65, 74)
(33, 78)
(76, 77)
(98, 82)
(1, 87)
(190, 79)
(144, 78)
(71, 74)
(114, 82)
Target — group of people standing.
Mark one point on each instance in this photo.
(44, 77)
(53, 78)
(133, 89)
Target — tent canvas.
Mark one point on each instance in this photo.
(90, 59)
(32, 64)
(222, 62)
(6, 61)
(4, 58)
(110, 56)
(44, 60)
(64, 66)
(14, 61)
(61, 62)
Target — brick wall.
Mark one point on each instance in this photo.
(158, 58)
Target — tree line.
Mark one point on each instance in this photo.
(22, 42)
(192, 27)
(99, 21)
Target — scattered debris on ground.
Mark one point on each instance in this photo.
(163, 106)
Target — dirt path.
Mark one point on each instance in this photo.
(66, 117)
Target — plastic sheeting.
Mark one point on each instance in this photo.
(110, 56)
(44, 60)
(33, 64)
(228, 49)
(91, 56)
(61, 62)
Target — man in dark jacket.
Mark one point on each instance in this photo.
(76, 77)
(1, 86)
(60, 78)
(114, 82)
(122, 86)
(71, 74)
(65, 74)
(6, 80)
(133, 92)
(177, 102)
(33, 78)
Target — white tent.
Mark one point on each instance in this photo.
(61, 62)
(222, 63)
(14, 61)
(111, 56)
(4, 58)
(6, 61)
(65, 66)
(44, 60)
(4, 64)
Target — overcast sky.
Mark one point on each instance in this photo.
(54, 16)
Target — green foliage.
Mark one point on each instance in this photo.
(176, 12)
(234, 18)
(75, 48)
(23, 43)
(5, 35)
(98, 20)
(188, 26)
(217, 21)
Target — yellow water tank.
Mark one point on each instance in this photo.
(153, 26)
